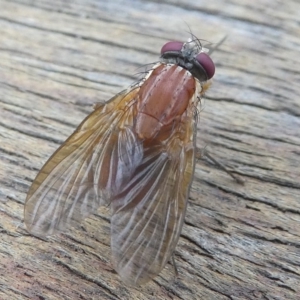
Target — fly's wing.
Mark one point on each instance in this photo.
(148, 214)
(87, 169)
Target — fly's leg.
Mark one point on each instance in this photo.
(174, 265)
(204, 153)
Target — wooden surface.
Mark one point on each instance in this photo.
(239, 242)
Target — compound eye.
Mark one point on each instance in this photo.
(171, 47)
(206, 62)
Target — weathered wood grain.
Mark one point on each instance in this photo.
(59, 57)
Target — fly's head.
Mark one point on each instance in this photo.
(190, 56)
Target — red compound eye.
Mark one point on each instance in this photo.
(208, 65)
(171, 46)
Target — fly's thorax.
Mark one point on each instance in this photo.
(163, 98)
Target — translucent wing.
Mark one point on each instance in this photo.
(147, 183)
(148, 214)
(87, 169)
